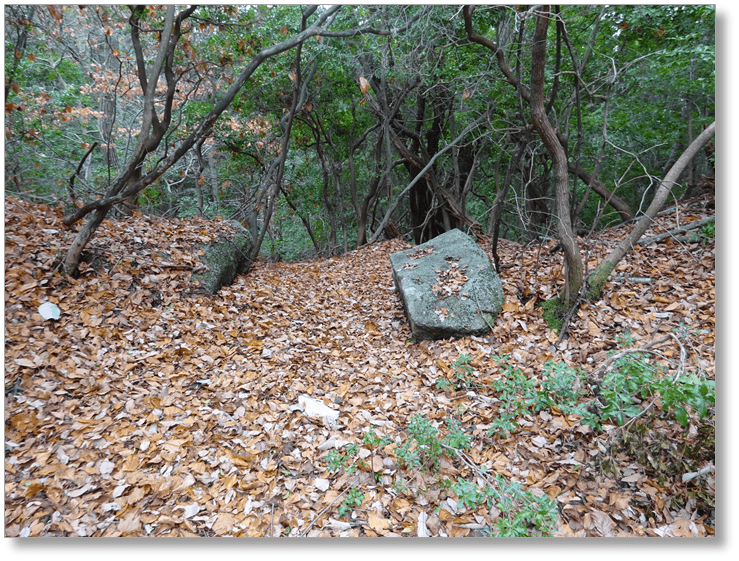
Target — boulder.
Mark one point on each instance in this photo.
(448, 286)
(226, 258)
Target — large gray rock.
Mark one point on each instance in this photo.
(448, 286)
(225, 259)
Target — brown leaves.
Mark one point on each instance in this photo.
(55, 12)
(450, 282)
(147, 410)
(364, 85)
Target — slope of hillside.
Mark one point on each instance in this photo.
(148, 410)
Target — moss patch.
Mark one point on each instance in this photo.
(598, 279)
(226, 259)
(553, 313)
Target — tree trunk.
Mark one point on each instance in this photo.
(500, 198)
(362, 209)
(121, 188)
(573, 262)
(74, 255)
(606, 267)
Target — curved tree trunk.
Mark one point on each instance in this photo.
(573, 262)
(606, 267)
(153, 130)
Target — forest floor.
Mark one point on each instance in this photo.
(146, 410)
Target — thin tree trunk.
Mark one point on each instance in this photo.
(501, 195)
(305, 221)
(606, 267)
(121, 188)
(74, 254)
(200, 177)
(573, 261)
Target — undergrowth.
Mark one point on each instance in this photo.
(632, 389)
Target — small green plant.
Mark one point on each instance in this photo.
(687, 392)
(463, 371)
(516, 393)
(469, 495)
(353, 499)
(336, 460)
(457, 438)
(374, 441)
(443, 384)
(632, 378)
(706, 233)
(462, 375)
(400, 487)
(635, 374)
(423, 447)
(557, 387)
(522, 513)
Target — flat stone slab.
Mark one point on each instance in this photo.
(448, 286)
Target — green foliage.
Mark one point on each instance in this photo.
(463, 371)
(706, 233)
(469, 495)
(664, 55)
(522, 512)
(443, 384)
(635, 375)
(516, 394)
(423, 446)
(374, 441)
(557, 388)
(336, 460)
(152, 194)
(462, 375)
(632, 376)
(353, 499)
(456, 437)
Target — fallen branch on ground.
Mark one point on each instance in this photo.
(691, 226)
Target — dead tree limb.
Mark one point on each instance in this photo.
(690, 226)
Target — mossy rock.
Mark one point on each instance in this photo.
(448, 287)
(226, 258)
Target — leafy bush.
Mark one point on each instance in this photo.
(631, 379)
(423, 447)
(353, 499)
(342, 461)
(522, 513)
